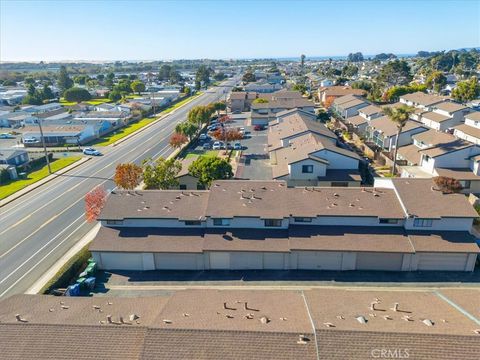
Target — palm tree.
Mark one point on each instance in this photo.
(399, 115)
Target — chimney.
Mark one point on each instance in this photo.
(395, 307)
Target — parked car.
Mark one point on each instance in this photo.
(206, 146)
(218, 145)
(6, 136)
(91, 151)
(30, 140)
(229, 146)
(258, 128)
(203, 137)
(237, 146)
(213, 127)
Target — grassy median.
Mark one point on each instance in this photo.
(34, 176)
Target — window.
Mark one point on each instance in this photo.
(339, 183)
(183, 187)
(114, 222)
(422, 222)
(307, 169)
(465, 184)
(273, 222)
(302, 219)
(221, 222)
(388, 221)
(200, 186)
(192, 222)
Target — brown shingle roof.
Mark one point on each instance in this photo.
(423, 99)
(356, 120)
(247, 240)
(469, 130)
(353, 238)
(371, 110)
(433, 116)
(181, 204)
(287, 103)
(389, 128)
(475, 116)
(446, 241)
(422, 200)
(146, 239)
(433, 137)
(458, 173)
(341, 90)
(411, 153)
(450, 106)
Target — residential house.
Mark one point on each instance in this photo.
(434, 153)
(12, 97)
(262, 87)
(470, 131)
(421, 100)
(209, 324)
(14, 156)
(399, 225)
(40, 109)
(329, 93)
(348, 105)
(187, 181)
(382, 132)
(304, 152)
(359, 123)
(16, 119)
(444, 115)
(263, 113)
(58, 135)
(240, 101)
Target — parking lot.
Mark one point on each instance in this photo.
(255, 162)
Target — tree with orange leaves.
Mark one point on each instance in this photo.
(225, 134)
(328, 102)
(127, 176)
(177, 140)
(94, 201)
(225, 119)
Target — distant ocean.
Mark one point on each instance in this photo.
(320, 58)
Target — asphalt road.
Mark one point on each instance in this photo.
(38, 228)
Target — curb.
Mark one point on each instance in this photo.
(37, 184)
(45, 278)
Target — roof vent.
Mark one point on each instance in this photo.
(225, 306)
(428, 322)
(96, 307)
(228, 316)
(109, 319)
(283, 318)
(407, 318)
(477, 331)
(341, 317)
(328, 324)
(246, 307)
(133, 317)
(20, 319)
(302, 339)
(372, 305)
(395, 307)
(166, 321)
(65, 307)
(264, 320)
(387, 317)
(249, 316)
(336, 195)
(361, 319)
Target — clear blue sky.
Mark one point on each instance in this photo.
(150, 30)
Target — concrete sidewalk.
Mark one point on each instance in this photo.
(39, 183)
(40, 283)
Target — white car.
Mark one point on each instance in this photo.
(203, 137)
(218, 145)
(91, 151)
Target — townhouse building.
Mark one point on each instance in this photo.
(348, 105)
(304, 152)
(329, 93)
(398, 225)
(470, 130)
(263, 113)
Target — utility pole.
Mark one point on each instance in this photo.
(44, 147)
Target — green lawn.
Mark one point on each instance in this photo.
(92, 102)
(121, 133)
(198, 153)
(16, 185)
(180, 103)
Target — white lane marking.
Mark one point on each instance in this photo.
(41, 260)
(46, 223)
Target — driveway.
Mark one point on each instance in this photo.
(255, 161)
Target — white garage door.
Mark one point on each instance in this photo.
(379, 261)
(219, 260)
(122, 261)
(442, 261)
(275, 261)
(319, 260)
(166, 261)
(246, 260)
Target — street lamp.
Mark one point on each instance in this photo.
(44, 147)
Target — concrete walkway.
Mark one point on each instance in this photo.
(63, 260)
